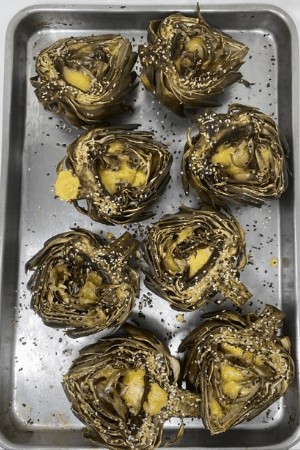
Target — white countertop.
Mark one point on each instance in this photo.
(11, 7)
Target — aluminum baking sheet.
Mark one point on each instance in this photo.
(34, 412)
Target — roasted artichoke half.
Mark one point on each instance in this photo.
(119, 173)
(238, 365)
(185, 61)
(86, 79)
(83, 285)
(195, 254)
(125, 388)
(239, 156)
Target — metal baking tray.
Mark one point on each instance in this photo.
(34, 413)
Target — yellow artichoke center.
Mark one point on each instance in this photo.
(195, 260)
(77, 78)
(125, 173)
(67, 186)
(156, 400)
(134, 381)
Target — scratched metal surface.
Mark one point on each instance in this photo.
(34, 412)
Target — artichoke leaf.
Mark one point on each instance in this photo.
(194, 254)
(83, 285)
(118, 172)
(86, 79)
(238, 365)
(124, 388)
(239, 156)
(186, 62)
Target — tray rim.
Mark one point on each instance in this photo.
(106, 7)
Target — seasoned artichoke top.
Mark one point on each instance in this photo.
(238, 365)
(86, 79)
(119, 173)
(239, 156)
(186, 61)
(195, 254)
(82, 284)
(125, 388)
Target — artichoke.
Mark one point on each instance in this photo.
(239, 156)
(193, 255)
(119, 173)
(238, 365)
(186, 61)
(86, 79)
(125, 388)
(83, 285)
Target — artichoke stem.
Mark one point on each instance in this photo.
(235, 290)
(270, 320)
(187, 404)
(124, 246)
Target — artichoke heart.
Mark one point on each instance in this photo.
(193, 262)
(88, 293)
(195, 254)
(123, 175)
(156, 400)
(135, 382)
(238, 156)
(86, 79)
(67, 186)
(118, 172)
(77, 78)
(83, 285)
(186, 62)
(124, 389)
(238, 365)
